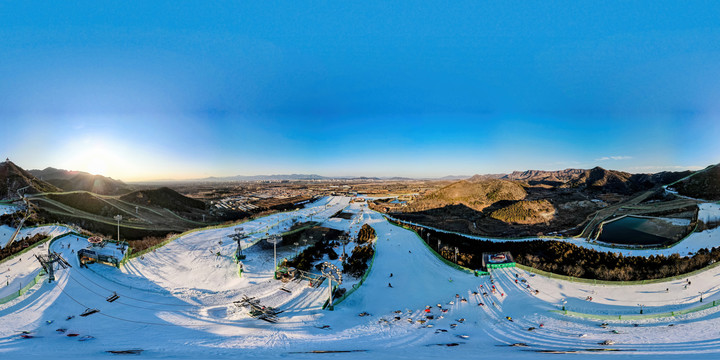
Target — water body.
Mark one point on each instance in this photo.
(638, 231)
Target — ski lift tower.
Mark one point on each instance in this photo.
(331, 272)
(238, 236)
(48, 263)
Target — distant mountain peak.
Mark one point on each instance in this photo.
(72, 180)
(13, 177)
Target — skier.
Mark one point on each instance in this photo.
(389, 285)
(391, 274)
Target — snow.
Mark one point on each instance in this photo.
(690, 245)
(675, 221)
(8, 209)
(177, 302)
(6, 232)
(709, 212)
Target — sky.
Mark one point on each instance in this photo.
(149, 90)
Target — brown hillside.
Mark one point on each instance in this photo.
(525, 212)
(599, 179)
(165, 198)
(703, 185)
(473, 194)
(13, 177)
(541, 175)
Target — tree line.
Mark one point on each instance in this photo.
(565, 258)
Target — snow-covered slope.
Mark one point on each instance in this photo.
(177, 302)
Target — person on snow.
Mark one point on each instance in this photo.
(389, 285)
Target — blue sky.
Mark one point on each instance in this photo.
(161, 90)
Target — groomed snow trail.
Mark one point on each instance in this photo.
(177, 302)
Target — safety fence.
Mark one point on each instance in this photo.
(546, 237)
(24, 289)
(472, 237)
(667, 314)
(25, 250)
(359, 283)
(399, 223)
(501, 266)
(41, 273)
(440, 257)
(620, 283)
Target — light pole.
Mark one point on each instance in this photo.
(701, 294)
(641, 307)
(274, 240)
(296, 248)
(118, 218)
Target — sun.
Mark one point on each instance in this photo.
(96, 166)
(92, 157)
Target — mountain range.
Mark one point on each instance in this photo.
(69, 180)
(14, 178)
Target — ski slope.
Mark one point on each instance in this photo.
(177, 302)
(6, 232)
(709, 212)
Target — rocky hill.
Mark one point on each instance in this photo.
(541, 175)
(595, 179)
(703, 185)
(13, 177)
(598, 179)
(78, 180)
(525, 212)
(471, 193)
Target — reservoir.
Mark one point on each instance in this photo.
(632, 230)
